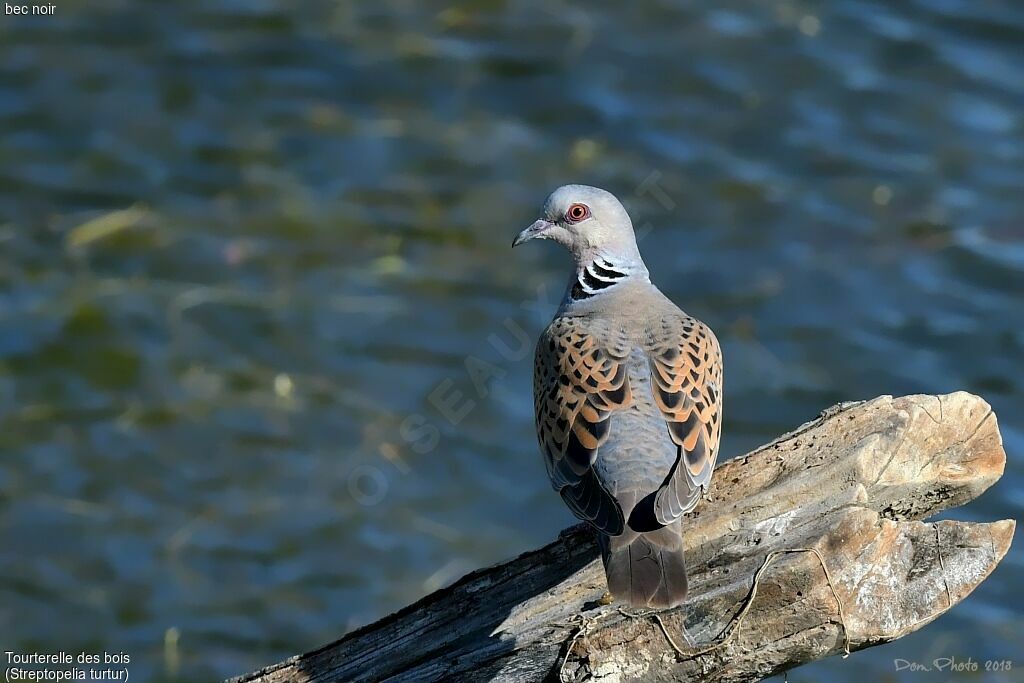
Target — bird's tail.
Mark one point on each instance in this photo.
(646, 569)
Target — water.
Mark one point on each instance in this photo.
(219, 446)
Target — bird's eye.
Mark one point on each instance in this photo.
(577, 212)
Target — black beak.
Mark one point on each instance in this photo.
(538, 228)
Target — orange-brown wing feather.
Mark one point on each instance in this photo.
(578, 384)
(686, 373)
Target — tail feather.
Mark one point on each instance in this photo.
(646, 569)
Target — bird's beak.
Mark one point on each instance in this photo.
(538, 228)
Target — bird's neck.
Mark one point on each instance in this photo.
(599, 274)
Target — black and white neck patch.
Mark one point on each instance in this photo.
(596, 277)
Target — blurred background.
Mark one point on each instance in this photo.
(247, 247)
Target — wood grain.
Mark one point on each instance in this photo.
(854, 484)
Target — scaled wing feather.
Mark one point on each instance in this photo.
(577, 386)
(686, 373)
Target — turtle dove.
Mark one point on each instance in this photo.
(628, 398)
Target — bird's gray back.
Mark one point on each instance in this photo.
(639, 452)
(627, 390)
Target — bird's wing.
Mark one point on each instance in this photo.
(578, 383)
(686, 373)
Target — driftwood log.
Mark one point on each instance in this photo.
(807, 547)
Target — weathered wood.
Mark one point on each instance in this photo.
(851, 485)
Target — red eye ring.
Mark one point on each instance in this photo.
(577, 213)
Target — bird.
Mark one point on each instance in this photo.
(627, 397)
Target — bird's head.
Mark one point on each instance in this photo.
(586, 221)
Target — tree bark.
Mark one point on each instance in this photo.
(807, 547)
